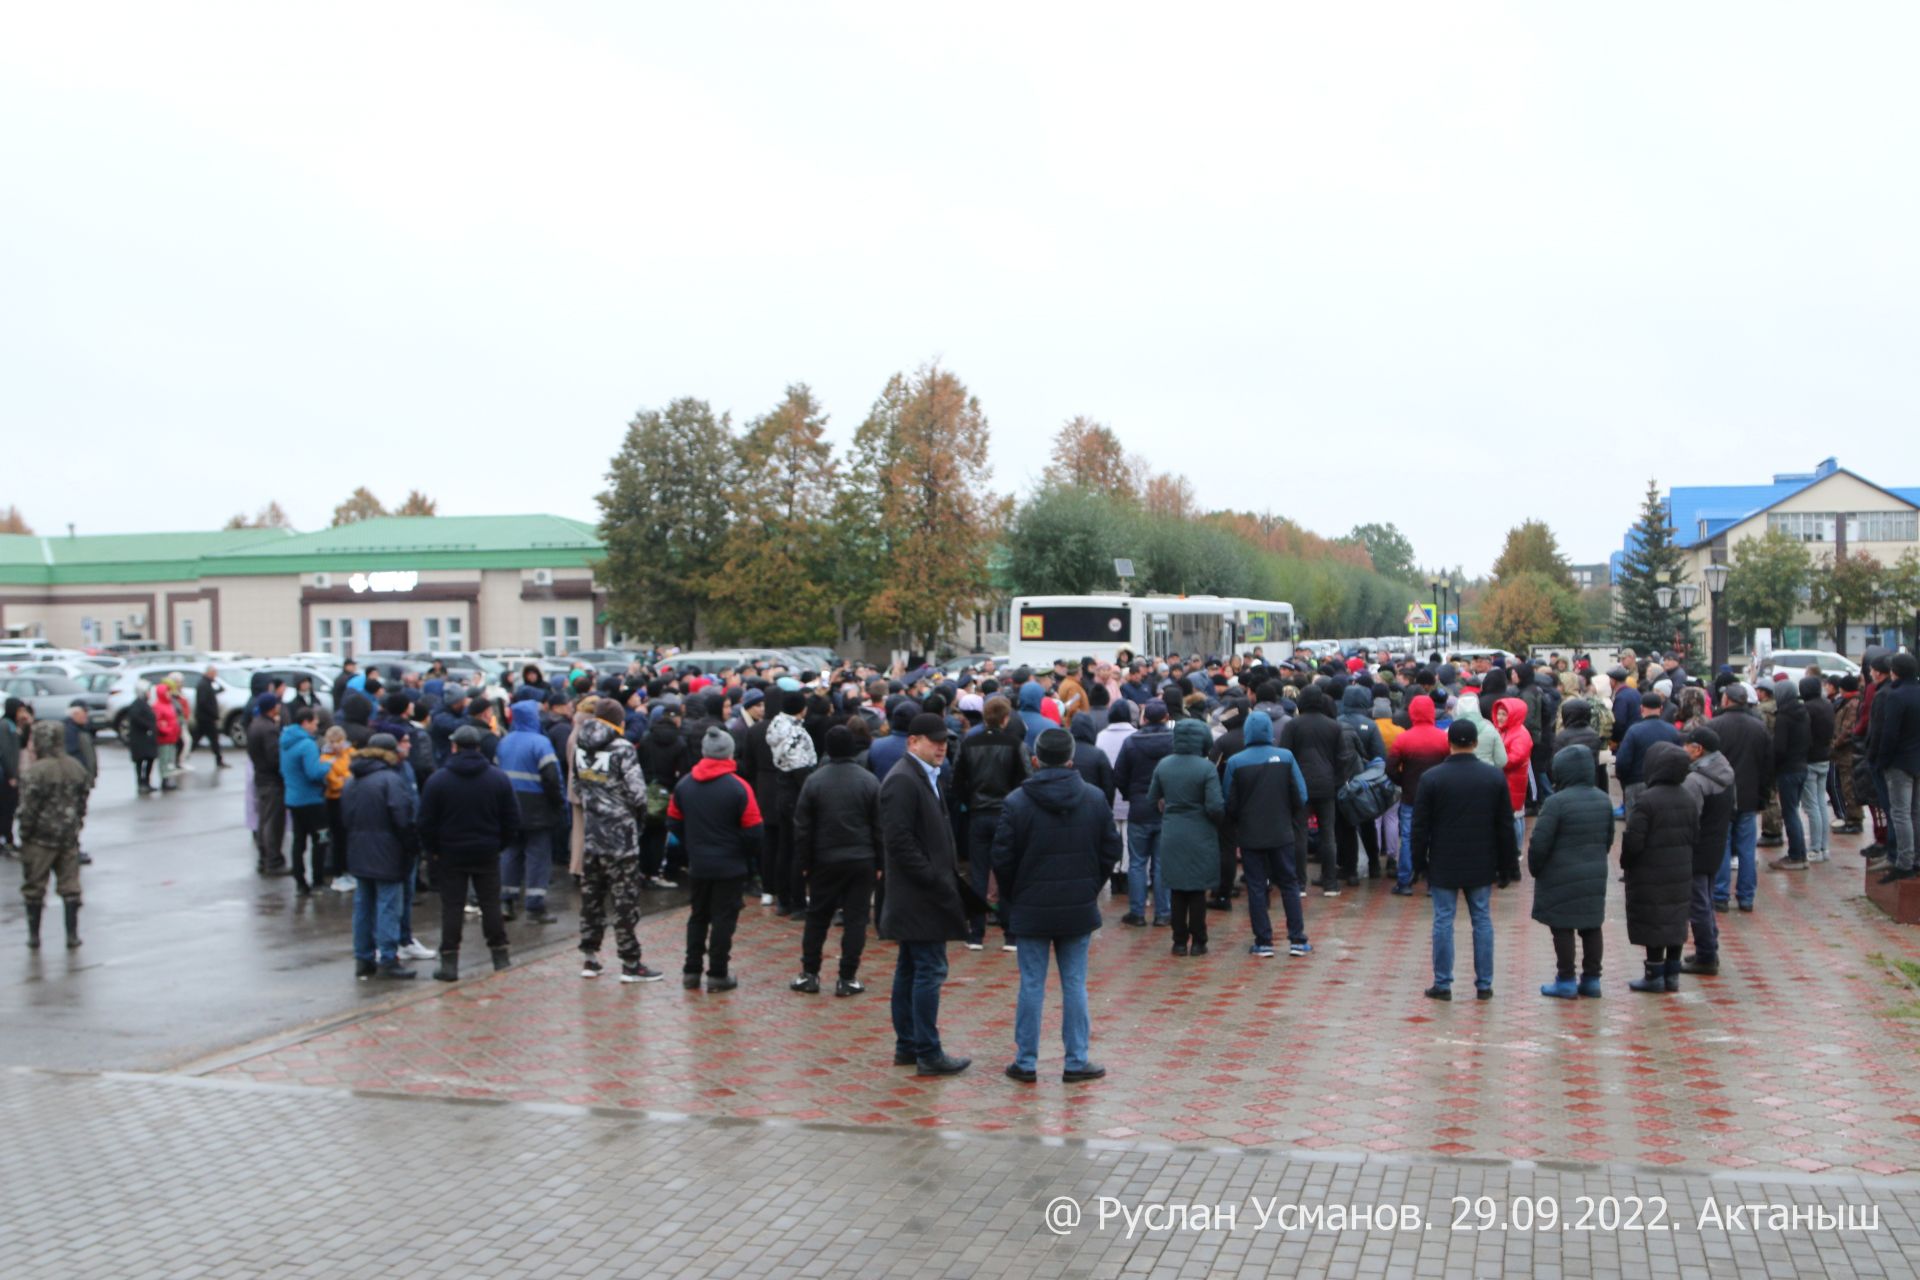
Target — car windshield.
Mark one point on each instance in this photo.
(59, 684)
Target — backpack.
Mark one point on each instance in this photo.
(1367, 795)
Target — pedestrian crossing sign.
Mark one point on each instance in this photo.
(1420, 619)
(1033, 626)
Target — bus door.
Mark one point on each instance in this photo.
(1159, 634)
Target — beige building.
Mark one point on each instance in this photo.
(1831, 509)
(429, 582)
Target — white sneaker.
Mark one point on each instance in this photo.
(1008, 946)
(975, 946)
(345, 884)
(766, 899)
(183, 767)
(414, 951)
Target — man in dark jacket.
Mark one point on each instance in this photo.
(1630, 759)
(356, 717)
(1792, 740)
(993, 764)
(448, 716)
(888, 751)
(1626, 706)
(1748, 747)
(1712, 782)
(715, 815)
(1053, 849)
(377, 811)
(836, 847)
(1319, 747)
(664, 761)
(922, 911)
(269, 793)
(1089, 761)
(1140, 755)
(1362, 745)
(1266, 796)
(468, 814)
(1813, 798)
(1895, 752)
(1464, 842)
(206, 714)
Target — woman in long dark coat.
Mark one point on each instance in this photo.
(1568, 859)
(1657, 856)
(1186, 789)
(143, 738)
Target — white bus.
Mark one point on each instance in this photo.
(1073, 627)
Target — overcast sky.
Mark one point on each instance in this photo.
(1450, 266)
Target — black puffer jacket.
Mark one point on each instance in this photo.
(1792, 732)
(1744, 742)
(1575, 731)
(663, 753)
(1140, 755)
(1463, 834)
(468, 813)
(1089, 761)
(836, 820)
(1053, 850)
(1315, 739)
(1711, 781)
(1657, 853)
(1567, 855)
(1819, 721)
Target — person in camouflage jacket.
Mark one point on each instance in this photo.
(53, 806)
(613, 801)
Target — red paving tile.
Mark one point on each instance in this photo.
(1790, 1060)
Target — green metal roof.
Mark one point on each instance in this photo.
(423, 542)
(28, 559)
(388, 542)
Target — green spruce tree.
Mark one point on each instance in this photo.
(1653, 560)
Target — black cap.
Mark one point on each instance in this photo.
(927, 725)
(1461, 733)
(1054, 748)
(1701, 736)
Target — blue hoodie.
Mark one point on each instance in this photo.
(301, 768)
(526, 756)
(1265, 790)
(1031, 696)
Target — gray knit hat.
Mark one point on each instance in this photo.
(717, 745)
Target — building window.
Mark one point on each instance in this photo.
(559, 635)
(343, 635)
(186, 633)
(1807, 526)
(433, 635)
(456, 637)
(1884, 526)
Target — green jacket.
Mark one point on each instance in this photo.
(1186, 788)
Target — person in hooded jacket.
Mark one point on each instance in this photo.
(1656, 855)
(1117, 727)
(304, 775)
(613, 798)
(448, 716)
(1230, 738)
(1140, 754)
(377, 811)
(1820, 724)
(1185, 791)
(166, 720)
(470, 816)
(1576, 730)
(143, 747)
(1792, 741)
(1488, 747)
(714, 813)
(1567, 858)
(1033, 718)
(836, 842)
(663, 762)
(1322, 751)
(356, 716)
(1414, 751)
(527, 761)
(1266, 801)
(1711, 781)
(993, 764)
(1054, 847)
(1089, 761)
(53, 808)
(1362, 744)
(1510, 721)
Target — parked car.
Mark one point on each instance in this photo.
(391, 664)
(1798, 660)
(237, 678)
(71, 668)
(604, 658)
(51, 695)
(972, 662)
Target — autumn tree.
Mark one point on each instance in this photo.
(360, 505)
(775, 584)
(1846, 591)
(1529, 608)
(1389, 550)
(1766, 581)
(270, 516)
(1170, 496)
(926, 515)
(1087, 453)
(1532, 548)
(417, 504)
(11, 521)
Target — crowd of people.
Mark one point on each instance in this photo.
(944, 806)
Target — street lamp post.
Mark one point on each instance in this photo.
(1689, 596)
(1716, 576)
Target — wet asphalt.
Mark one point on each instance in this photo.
(187, 952)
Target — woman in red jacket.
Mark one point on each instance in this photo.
(1510, 719)
(166, 718)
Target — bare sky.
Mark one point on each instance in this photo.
(1450, 266)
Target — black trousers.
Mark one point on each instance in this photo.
(833, 887)
(309, 828)
(1589, 952)
(9, 805)
(716, 910)
(1350, 840)
(1229, 866)
(1323, 841)
(453, 884)
(210, 733)
(336, 841)
(980, 829)
(1189, 917)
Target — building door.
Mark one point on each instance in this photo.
(387, 635)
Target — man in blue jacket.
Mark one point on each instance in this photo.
(1032, 719)
(1053, 849)
(1631, 759)
(304, 775)
(1140, 754)
(1267, 804)
(527, 759)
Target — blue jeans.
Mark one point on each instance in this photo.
(1792, 785)
(1480, 907)
(1742, 841)
(1903, 814)
(1406, 843)
(1814, 798)
(1034, 953)
(1143, 858)
(1272, 866)
(527, 861)
(376, 919)
(916, 998)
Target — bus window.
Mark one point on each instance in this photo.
(1105, 625)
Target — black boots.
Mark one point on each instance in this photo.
(449, 970)
(500, 959)
(33, 924)
(73, 923)
(1662, 976)
(1672, 974)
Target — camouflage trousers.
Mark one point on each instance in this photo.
(38, 861)
(618, 879)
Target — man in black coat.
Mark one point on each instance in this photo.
(837, 849)
(993, 764)
(468, 814)
(923, 910)
(1053, 849)
(1748, 747)
(1140, 755)
(1316, 741)
(1894, 750)
(1711, 780)
(269, 793)
(1819, 764)
(206, 714)
(1792, 739)
(1463, 840)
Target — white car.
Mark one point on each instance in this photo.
(233, 697)
(1798, 660)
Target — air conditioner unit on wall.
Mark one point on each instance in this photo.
(543, 577)
(323, 580)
